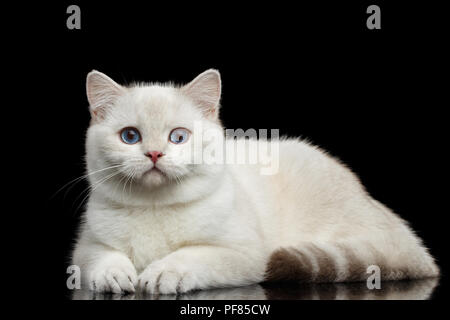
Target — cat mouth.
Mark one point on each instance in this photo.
(154, 170)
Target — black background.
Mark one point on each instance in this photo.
(373, 98)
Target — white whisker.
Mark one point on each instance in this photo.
(92, 188)
(76, 180)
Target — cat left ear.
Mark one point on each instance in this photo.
(205, 92)
(101, 92)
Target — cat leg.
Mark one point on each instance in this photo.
(104, 269)
(201, 267)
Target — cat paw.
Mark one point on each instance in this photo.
(163, 278)
(113, 279)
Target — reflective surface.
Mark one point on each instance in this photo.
(395, 290)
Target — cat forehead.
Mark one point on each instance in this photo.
(153, 95)
(154, 99)
(155, 102)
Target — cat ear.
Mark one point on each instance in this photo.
(205, 92)
(101, 92)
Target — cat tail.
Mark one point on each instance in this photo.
(344, 262)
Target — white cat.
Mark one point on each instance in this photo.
(155, 221)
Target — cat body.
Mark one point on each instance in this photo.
(171, 226)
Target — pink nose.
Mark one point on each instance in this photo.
(154, 155)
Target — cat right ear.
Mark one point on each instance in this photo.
(101, 92)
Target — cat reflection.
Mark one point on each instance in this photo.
(395, 290)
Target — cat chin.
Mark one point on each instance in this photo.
(154, 177)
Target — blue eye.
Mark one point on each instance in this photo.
(179, 135)
(130, 135)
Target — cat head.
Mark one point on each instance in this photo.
(141, 137)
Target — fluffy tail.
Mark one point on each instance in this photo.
(313, 262)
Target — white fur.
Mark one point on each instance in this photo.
(205, 226)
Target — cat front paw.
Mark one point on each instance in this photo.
(161, 277)
(115, 279)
